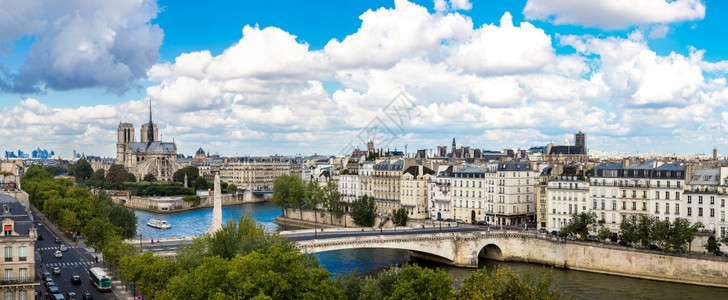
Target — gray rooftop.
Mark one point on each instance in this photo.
(153, 147)
(11, 208)
(706, 177)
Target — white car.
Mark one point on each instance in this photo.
(58, 254)
(63, 247)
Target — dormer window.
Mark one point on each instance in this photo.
(8, 229)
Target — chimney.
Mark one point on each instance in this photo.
(715, 154)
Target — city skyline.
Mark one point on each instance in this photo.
(287, 77)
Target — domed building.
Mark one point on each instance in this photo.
(200, 155)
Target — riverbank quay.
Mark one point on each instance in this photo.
(177, 204)
(305, 218)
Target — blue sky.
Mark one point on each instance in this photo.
(289, 77)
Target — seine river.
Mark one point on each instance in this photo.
(581, 285)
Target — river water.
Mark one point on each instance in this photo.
(581, 285)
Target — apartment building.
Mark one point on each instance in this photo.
(257, 173)
(515, 202)
(567, 194)
(705, 199)
(349, 187)
(634, 190)
(366, 175)
(415, 180)
(439, 193)
(18, 244)
(468, 194)
(386, 184)
(666, 188)
(604, 188)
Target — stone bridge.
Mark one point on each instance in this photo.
(462, 249)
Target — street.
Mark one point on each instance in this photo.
(75, 261)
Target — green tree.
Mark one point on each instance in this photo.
(579, 224)
(288, 191)
(362, 211)
(69, 221)
(314, 195)
(332, 200)
(150, 273)
(123, 218)
(400, 217)
(661, 231)
(421, 283)
(115, 248)
(232, 189)
(117, 175)
(192, 174)
(645, 227)
(604, 234)
(98, 231)
(712, 245)
(628, 232)
(199, 183)
(150, 177)
(234, 238)
(506, 284)
(82, 170)
(682, 232)
(36, 173)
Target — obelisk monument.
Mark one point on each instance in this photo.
(217, 207)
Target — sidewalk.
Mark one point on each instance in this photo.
(117, 288)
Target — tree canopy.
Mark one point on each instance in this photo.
(362, 211)
(192, 173)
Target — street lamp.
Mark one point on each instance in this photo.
(140, 243)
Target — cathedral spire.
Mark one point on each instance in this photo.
(150, 131)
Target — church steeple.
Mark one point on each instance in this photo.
(150, 132)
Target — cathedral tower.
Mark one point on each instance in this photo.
(147, 135)
(125, 136)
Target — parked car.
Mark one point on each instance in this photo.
(75, 279)
(88, 296)
(71, 296)
(554, 233)
(49, 280)
(58, 296)
(484, 223)
(58, 254)
(680, 250)
(47, 275)
(57, 240)
(458, 221)
(719, 253)
(56, 271)
(40, 237)
(623, 243)
(570, 237)
(449, 220)
(592, 238)
(543, 231)
(63, 247)
(654, 247)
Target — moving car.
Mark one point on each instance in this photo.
(63, 247)
(88, 296)
(40, 237)
(75, 279)
(71, 296)
(57, 240)
(56, 271)
(58, 297)
(53, 289)
(58, 254)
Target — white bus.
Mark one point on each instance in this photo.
(98, 277)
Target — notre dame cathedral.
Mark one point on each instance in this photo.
(150, 155)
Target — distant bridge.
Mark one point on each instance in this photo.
(458, 246)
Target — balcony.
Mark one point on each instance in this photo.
(17, 281)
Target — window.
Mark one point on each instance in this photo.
(8, 253)
(8, 295)
(657, 208)
(602, 203)
(644, 206)
(690, 199)
(712, 200)
(634, 205)
(722, 202)
(722, 216)
(8, 274)
(667, 208)
(700, 211)
(8, 230)
(644, 194)
(712, 212)
(657, 194)
(700, 199)
(23, 274)
(667, 195)
(690, 211)
(677, 208)
(614, 204)
(624, 204)
(677, 195)
(22, 255)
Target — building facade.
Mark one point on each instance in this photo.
(415, 180)
(257, 173)
(18, 244)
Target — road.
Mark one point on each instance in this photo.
(332, 234)
(75, 261)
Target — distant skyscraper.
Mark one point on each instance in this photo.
(580, 140)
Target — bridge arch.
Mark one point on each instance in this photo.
(491, 251)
